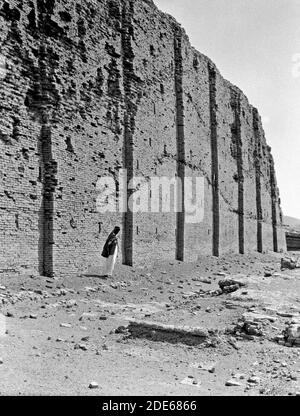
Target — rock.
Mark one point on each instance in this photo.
(239, 376)
(85, 338)
(114, 285)
(256, 317)
(62, 325)
(233, 283)
(211, 368)
(233, 343)
(204, 280)
(292, 334)
(88, 315)
(82, 347)
(83, 328)
(2, 288)
(232, 383)
(254, 380)
(121, 330)
(190, 381)
(32, 316)
(102, 318)
(70, 303)
(288, 263)
(1, 361)
(93, 385)
(9, 314)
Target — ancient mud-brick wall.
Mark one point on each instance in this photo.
(90, 87)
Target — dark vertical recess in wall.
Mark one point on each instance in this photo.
(274, 203)
(180, 217)
(258, 174)
(214, 160)
(49, 182)
(236, 133)
(131, 85)
(42, 101)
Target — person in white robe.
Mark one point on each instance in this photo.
(110, 252)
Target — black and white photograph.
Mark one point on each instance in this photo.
(149, 201)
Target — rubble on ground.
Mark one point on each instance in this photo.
(289, 263)
(291, 335)
(231, 285)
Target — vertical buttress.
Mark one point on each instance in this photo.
(274, 203)
(257, 158)
(214, 160)
(236, 132)
(180, 219)
(130, 86)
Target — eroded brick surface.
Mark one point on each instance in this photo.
(87, 88)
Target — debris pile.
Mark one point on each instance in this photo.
(289, 263)
(249, 327)
(231, 285)
(291, 335)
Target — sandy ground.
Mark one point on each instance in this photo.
(61, 332)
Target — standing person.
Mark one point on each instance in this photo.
(110, 252)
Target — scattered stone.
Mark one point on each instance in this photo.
(62, 325)
(288, 263)
(121, 330)
(9, 314)
(190, 381)
(292, 334)
(254, 380)
(83, 328)
(93, 385)
(239, 376)
(70, 303)
(103, 318)
(204, 280)
(82, 347)
(88, 315)
(211, 368)
(230, 285)
(232, 383)
(85, 338)
(114, 285)
(256, 317)
(233, 343)
(2, 288)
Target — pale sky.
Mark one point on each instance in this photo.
(256, 46)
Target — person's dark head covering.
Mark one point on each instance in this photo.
(116, 230)
(110, 243)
